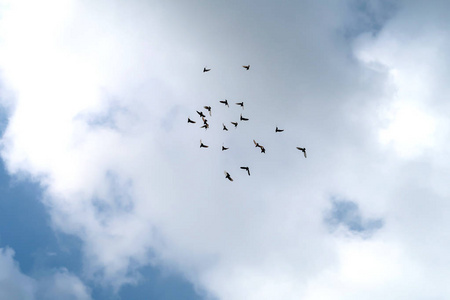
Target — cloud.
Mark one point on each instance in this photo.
(102, 93)
(60, 284)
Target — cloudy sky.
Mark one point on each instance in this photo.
(106, 194)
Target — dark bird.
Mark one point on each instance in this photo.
(208, 108)
(224, 127)
(224, 148)
(234, 123)
(227, 176)
(247, 67)
(206, 126)
(200, 113)
(246, 168)
(206, 70)
(225, 102)
(190, 121)
(203, 145)
(204, 120)
(241, 104)
(278, 130)
(263, 150)
(303, 150)
(243, 119)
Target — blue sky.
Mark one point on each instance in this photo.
(106, 194)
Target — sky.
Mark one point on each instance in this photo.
(106, 194)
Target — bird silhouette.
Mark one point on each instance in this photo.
(227, 176)
(190, 121)
(208, 108)
(200, 113)
(206, 70)
(241, 104)
(243, 119)
(224, 127)
(303, 150)
(278, 130)
(263, 150)
(224, 102)
(246, 168)
(235, 124)
(246, 67)
(203, 145)
(206, 126)
(204, 120)
(225, 148)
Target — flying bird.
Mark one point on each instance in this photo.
(243, 119)
(206, 70)
(303, 150)
(225, 148)
(203, 145)
(227, 176)
(246, 168)
(246, 67)
(190, 121)
(200, 113)
(206, 126)
(224, 102)
(204, 120)
(208, 108)
(241, 104)
(263, 150)
(224, 127)
(234, 123)
(278, 130)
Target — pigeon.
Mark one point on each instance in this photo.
(227, 176)
(303, 150)
(263, 150)
(224, 148)
(246, 168)
(190, 121)
(208, 108)
(234, 123)
(206, 70)
(246, 67)
(203, 145)
(241, 104)
(243, 119)
(200, 114)
(224, 127)
(278, 130)
(225, 102)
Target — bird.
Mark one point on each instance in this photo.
(200, 113)
(203, 145)
(241, 104)
(243, 119)
(206, 126)
(246, 67)
(246, 168)
(225, 148)
(190, 121)
(278, 130)
(224, 127)
(208, 108)
(263, 150)
(227, 176)
(224, 102)
(204, 120)
(303, 150)
(206, 70)
(234, 123)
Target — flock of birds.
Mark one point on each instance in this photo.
(235, 124)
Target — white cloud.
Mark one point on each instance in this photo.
(102, 96)
(59, 285)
